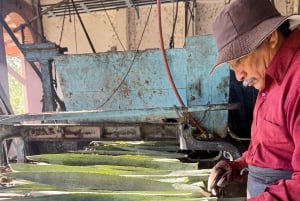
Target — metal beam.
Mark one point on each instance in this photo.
(153, 115)
(101, 5)
(46, 10)
(129, 3)
(84, 7)
(16, 41)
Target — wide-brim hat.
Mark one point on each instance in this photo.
(242, 26)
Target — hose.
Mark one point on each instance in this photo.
(170, 78)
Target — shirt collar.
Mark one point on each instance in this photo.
(281, 62)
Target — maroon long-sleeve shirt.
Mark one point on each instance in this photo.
(275, 132)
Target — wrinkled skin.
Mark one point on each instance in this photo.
(224, 172)
(251, 68)
(220, 176)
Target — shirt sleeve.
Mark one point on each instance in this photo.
(287, 190)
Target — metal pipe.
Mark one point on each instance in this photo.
(121, 116)
(84, 29)
(234, 136)
(170, 78)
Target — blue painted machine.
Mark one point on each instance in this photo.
(129, 81)
(127, 96)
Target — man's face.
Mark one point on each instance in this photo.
(251, 68)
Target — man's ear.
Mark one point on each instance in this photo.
(273, 39)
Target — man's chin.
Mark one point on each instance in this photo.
(259, 86)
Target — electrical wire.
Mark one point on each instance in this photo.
(170, 78)
(40, 21)
(70, 14)
(131, 64)
(171, 43)
(114, 29)
(33, 30)
(83, 27)
(62, 26)
(75, 34)
(191, 17)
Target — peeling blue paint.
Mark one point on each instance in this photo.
(89, 80)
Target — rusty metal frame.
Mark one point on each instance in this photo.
(147, 115)
(89, 125)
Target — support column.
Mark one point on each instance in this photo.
(3, 63)
(47, 86)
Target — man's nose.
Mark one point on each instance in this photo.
(240, 75)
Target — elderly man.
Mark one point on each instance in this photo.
(263, 49)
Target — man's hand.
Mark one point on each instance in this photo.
(220, 176)
(223, 173)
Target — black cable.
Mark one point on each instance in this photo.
(192, 17)
(62, 26)
(84, 29)
(42, 34)
(187, 27)
(28, 24)
(171, 43)
(56, 98)
(69, 9)
(113, 27)
(132, 62)
(75, 35)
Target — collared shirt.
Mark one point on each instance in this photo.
(275, 131)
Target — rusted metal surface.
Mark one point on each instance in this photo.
(130, 81)
(40, 51)
(150, 115)
(62, 132)
(188, 142)
(203, 88)
(128, 93)
(108, 132)
(43, 53)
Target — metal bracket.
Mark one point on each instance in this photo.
(44, 53)
(188, 142)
